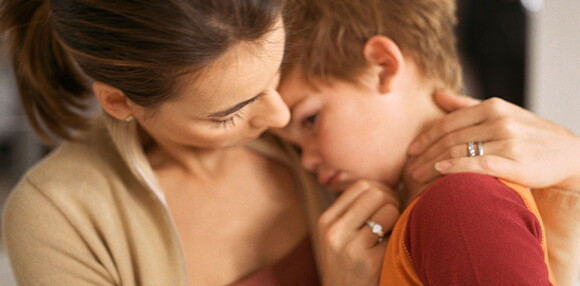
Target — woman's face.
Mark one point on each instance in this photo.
(232, 102)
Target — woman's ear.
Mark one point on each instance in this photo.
(113, 100)
(384, 53)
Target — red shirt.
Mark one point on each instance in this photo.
(468, 229)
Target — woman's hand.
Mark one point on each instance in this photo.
(351, 253)
(519, 146)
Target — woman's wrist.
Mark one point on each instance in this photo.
(572, 181)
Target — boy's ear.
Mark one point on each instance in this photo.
(382, 52)
(113, 100)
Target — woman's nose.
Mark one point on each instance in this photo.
(274, 112)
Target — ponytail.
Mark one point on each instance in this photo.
(52, 88)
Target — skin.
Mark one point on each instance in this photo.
(199, 155)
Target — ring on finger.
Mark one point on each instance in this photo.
(376, 229)
(475, 150)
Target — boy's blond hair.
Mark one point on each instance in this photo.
(326, 37)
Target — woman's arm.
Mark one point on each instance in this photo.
(43, 246)
(560, 210)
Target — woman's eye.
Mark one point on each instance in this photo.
(228, 123)
(309, 121)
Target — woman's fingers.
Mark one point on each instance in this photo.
(425, 171)
(450, 123)
(450, 102)
(363, 201)
(341, 222)
(488, 110)
(349, 247)
(344, 201)
(518, 145)
(449, 144)
(345, 227)
(385, 217)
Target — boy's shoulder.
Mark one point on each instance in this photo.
(461, 185)
(462, 181)
(469, 192)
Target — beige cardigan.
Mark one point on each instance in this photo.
(92, 213)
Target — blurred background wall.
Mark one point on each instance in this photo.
(526, 51)
(554, 61)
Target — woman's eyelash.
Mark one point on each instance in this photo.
(230, 122)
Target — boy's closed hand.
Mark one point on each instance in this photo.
(519, 146)
(352, 254)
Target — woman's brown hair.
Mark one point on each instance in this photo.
(140, 47)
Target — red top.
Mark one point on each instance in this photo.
(470, 229)
(298, 267)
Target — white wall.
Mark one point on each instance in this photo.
(554, 61)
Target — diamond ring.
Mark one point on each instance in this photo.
(376, 229)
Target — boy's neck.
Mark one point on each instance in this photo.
(428, 113)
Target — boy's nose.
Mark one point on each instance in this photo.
(310, 157)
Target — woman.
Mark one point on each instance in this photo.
(165, 188)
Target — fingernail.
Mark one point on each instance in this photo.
(414, 148)
(443, 166)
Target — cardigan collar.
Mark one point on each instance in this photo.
(125, 137)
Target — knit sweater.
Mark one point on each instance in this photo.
(92, 213)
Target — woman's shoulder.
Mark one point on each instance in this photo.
(73, 163)
(80, 169)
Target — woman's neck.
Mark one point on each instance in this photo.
(203, 163)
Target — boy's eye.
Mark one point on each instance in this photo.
(309, 121)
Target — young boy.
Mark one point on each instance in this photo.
(359, 81)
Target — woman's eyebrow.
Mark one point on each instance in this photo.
(234, 108)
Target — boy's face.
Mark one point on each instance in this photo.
(349, 132)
